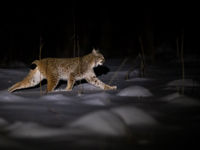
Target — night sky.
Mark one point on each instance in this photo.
(115, 28)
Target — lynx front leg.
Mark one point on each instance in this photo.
(32, 79)
(96, 82)
(52, 82)
(70, 82)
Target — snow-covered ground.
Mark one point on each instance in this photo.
(142, 113)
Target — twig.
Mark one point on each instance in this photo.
(182, 60)
(131, 69)
(77, 47)
(141, 66)
(142, 56)
(118, 69)
(40, 57)
(177, 48)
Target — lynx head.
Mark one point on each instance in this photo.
(99, 59)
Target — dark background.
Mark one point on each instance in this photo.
(74, 28)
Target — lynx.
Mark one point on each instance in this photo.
(70, 69)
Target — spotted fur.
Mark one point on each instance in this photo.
(70, 69)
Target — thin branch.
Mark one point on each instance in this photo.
(142, 56)
(182, 60)
(118, 69)
(40, 57)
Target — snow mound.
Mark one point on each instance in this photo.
(9, 97)
(137, 91)
(138, 79)
(59, 99)
(59, 90)
(171, 96)
(55, 97)
(134, 116)
(185, 82)
(181, 99)
(32, 130)
(101, 122)
(134, 73)
(3, 123)
(84, 87)
(97, 99)
(113, 122)
(88, 87)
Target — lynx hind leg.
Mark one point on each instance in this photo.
(98, 83)
(33, 78)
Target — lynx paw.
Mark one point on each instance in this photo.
(107, 87)
(113, 87)
(68, 90)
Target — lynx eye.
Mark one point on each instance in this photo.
(32, 66)
(102, 60)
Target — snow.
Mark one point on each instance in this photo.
(185, 83)
(8, 97)
(3, 122)
(103, 122)
(142, 111)
(181, 99)
(171, 96)
(112, 122)
(84, 86)
(32, 130)
(138, 79)
(97, 99)
(55, 97)
(89, 87)
(134, 116)
(137, 91)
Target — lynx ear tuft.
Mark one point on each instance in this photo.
(94, 51)
(32, 66)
